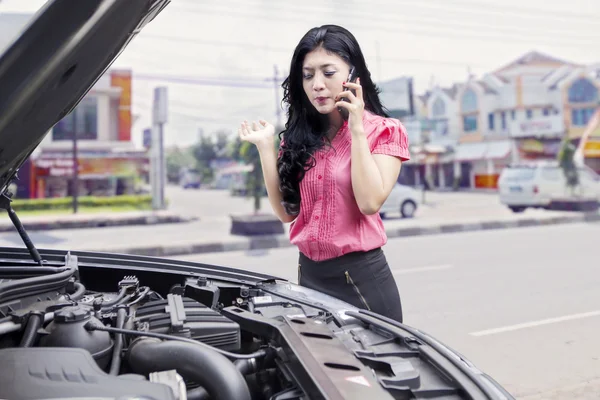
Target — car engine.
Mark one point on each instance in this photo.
(64, 340)
(106, 326)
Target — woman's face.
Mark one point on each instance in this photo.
(322, 77)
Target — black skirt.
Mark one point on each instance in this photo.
(363, 279)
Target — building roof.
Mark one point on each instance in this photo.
(534, 58)
(452, 91)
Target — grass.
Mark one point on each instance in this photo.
(80, 210)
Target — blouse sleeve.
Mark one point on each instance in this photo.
(392, 140)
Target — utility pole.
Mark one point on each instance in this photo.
(75, 186)
(378, 61)
(158, 174)
(277, 100)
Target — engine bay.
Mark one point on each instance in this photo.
(196, 339)
(120, 327)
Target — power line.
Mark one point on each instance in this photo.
(473, 7)
(223, 82)
(476, 36)
(246, 45)
(405, 18)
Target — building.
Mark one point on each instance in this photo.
(521, 111)
(440, 130)
(108, 161)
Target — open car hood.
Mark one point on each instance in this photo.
(60, 55)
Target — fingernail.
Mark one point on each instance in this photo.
(343, 83)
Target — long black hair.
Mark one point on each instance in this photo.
(306, 129)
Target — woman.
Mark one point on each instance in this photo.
(339, 158)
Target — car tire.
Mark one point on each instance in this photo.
(408, 208)
(517, 209)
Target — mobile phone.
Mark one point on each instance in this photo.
(351, 78)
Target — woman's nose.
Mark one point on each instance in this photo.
(318, 83)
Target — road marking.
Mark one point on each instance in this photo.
(421, 269)
(534, 324)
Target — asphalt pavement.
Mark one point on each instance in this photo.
(522, 304)
(211, 210)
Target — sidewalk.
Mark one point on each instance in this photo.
(91, 220)
(211, 235)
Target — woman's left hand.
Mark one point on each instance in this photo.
(355, 105)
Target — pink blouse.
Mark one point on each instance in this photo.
(330, 223)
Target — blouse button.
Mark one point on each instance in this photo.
(316, 217)
(320, 177)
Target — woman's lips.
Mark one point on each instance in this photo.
(322, 100)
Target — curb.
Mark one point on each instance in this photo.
(97, 222)
(282, 241)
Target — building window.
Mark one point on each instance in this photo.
(546, 112)
(583, 91)
(439, 108)
(469, 101)
(581, 116)
(86, 115)
(513, 115)
(529, 114)
(491, 121)
(503, 120)
(470, 123)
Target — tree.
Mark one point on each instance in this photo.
(204, 153)
(254, 180)
(222, 144)
(234, 149)
(567, 163)
(176, 159)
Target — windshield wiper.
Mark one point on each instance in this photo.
(5, 200)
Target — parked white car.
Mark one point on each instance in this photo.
(536, 184)
(403, 199)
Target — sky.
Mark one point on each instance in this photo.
(204, 50)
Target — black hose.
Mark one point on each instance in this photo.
(116, 300)
(79, 292)
(215, 373)
(198, 393)
(115, 364)
(34, 323)
(246, 366)
(90, 326)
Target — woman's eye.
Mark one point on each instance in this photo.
(307, 76)
(330, 73)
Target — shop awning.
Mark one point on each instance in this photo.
(470, 151)
(483, 151)
(498, 150)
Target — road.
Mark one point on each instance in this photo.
(214, 207)
(523, 305)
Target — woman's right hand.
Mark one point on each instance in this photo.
(259, 134)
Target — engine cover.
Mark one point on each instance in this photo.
(181, 316)
(49, 373)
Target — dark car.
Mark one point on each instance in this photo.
(112, 326)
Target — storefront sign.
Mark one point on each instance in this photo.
(538, 147)
(552, 126)
(486, 181)
(592, 150)
(63, 167)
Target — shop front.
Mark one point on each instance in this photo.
(98, 176)
(481, 163)
(591, 153)
(539, 138)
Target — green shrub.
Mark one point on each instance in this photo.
(66, 203)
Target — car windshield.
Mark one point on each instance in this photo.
(518, 174)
